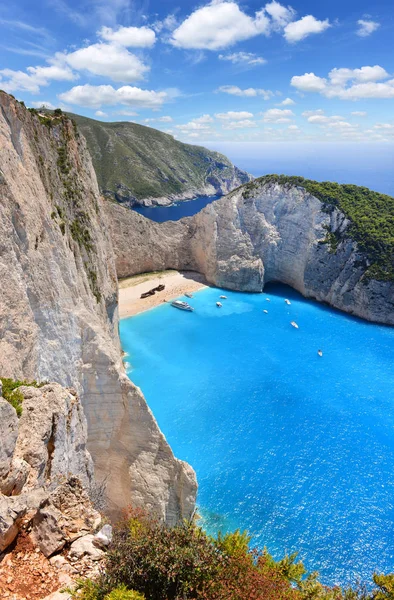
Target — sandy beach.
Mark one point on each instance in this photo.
(176, 284)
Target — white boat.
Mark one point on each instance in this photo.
(182, 305)
(223, 297)
(188, 295)
(320, 352)
(294, 324)
(287, 302)
(219, 304)
(268, 300)
(265, 311)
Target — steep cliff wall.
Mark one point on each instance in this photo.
(262, 232)
(136, 164)
(58, 307)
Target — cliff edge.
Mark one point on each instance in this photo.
(58, 307)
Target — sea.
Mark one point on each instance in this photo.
(296, 448)
(369, 165)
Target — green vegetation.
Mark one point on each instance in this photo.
(136, 162)
(12, 394)
(371, 218)
(148, 560)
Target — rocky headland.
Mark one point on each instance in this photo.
(138, 165)
(272, 229)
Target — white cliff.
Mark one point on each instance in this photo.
(59, 316)
(259, 233)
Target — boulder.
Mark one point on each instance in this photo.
(12, 511)
(64, 516)
(103, 538)
(85, 546)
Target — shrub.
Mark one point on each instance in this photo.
(12, 394)
(122, 593)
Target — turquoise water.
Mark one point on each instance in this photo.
(296, 448)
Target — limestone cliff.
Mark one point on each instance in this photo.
(136, 164)
(262, 232)
(58, 307)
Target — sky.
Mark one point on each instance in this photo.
(223, 71)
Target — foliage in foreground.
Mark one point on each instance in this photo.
(371, 215)
(12, 394)
(149, 561)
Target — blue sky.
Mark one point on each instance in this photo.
(216, 71)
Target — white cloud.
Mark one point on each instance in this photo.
(293, 128)
(169, 23)
(130, 37)
(366, 27)
(387, 126)
(219, 25)
(248, 93)
(359, 113)
(348, 84)
(244, 58)
(287, 102)
(277, 115)
(309, 82)
(96, 96)
(43, 104)
(311, 113)
(164, 119)
(126, 113)
(200, 123)
(100, 113)
(298, 30)
(281, 15)
(244, 124)
(36, 77)
(232, 115)
(109, 60)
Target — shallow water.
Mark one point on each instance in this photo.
(183, 208)
(296, 448)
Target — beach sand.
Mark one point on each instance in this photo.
(176, 284)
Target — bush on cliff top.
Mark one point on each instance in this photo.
(371, 215)
(148, 560)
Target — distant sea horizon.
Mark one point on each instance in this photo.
(365, 164)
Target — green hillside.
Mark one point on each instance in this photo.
(371, 215)
(134, 162)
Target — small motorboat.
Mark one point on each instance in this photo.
(320, 352)
(223, 297)
(287, 302)
(182, 305)
(188, 295)
(265, 311)
(294, 324)
(219, 304)
(268, 300)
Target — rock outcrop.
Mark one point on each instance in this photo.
(59, 322)
(138, 165)
(271, 232)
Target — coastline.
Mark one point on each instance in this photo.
(177, 283)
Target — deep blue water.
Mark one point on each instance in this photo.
(184, 208)
(295, 448)
(367, 164)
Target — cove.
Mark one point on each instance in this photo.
(183, 208)
(297, 449)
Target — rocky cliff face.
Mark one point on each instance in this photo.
(140, 165)
(271, 232)
(58, 307)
